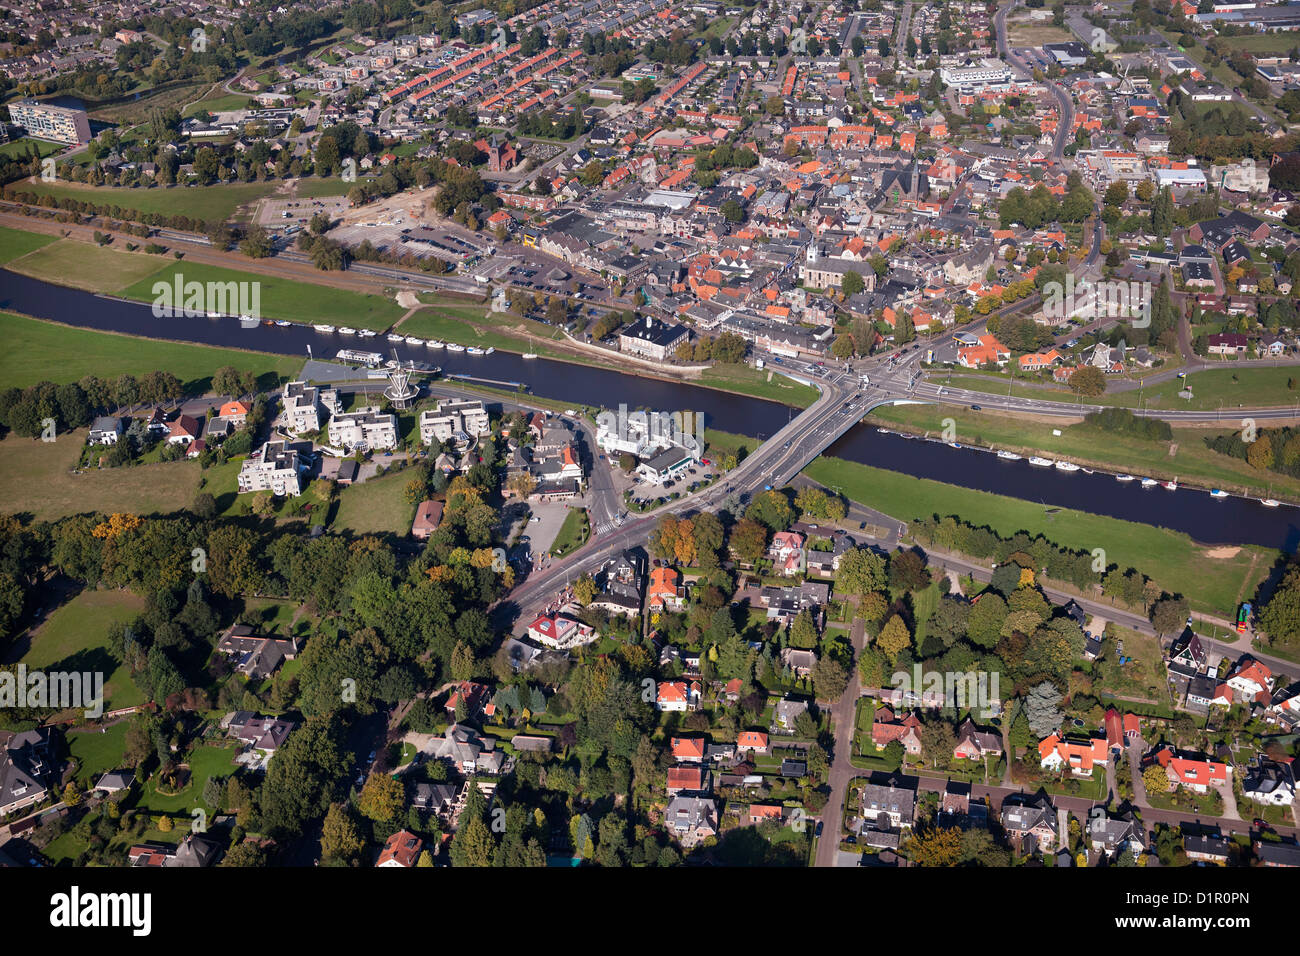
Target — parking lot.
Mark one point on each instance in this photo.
(282, 213)
(646, 491)
(548, 517)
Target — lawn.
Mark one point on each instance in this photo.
(209, 203)
(36, 478)
(207, 760)
(467, 325)
(97, 753)
(75, 638)
(22, 148)
(375, 506)
(279, 298)
(760, 383)
(15, 243)
(1143, 676)
(1212, 584)
(1192, 461)
(84, 265)
(222, 102)
(573, 533)
(1228, 387)
(36, 350)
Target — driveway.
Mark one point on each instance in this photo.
(843, 715)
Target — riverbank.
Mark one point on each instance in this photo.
(1214, 580)
(1185, 458)
(43, 350)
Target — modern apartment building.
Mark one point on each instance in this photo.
(454, 420)
(59, 123)
(366, 429)
(276, 467)
(303, 405)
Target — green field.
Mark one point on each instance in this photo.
(22, 147)
(760, 383)
(75, 638)
(1212, 388)
(36, 478)
(1191, 461)
(1266, 43)
(15, 243)
(97, 753)
(84, 265)
(222, 102)
(206, 761)
(209, 203)
(280, 298)
(573, 533)
(375, 506)
(1213, 585)
(36, 350)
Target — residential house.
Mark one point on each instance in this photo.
(256, 656)
(1269, 782)
(1080, 756)
(106, 430)
(401, 849)
(886, 728)
(1030, 823)
(26, 769)
(691, 819)
(751, 741)
(467, 751)
(888, 806)
(976, 744)
(1114, 835)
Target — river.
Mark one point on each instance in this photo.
(1211, 521)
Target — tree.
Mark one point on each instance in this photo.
(382, 798)
(894, 638)
(1169, 614)
(852, 283)
(935, 846)
(1155, 779)
(584, 589)
(341, 837)
(861, 571)
(843, 346)
(830, 678)
(1088, 381)
(1041, 709)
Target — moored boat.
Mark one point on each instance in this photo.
(1066, 466)
(394, 337)
(1008, 456)
(1125, 478)
(1218, 493)
(1169, 485)
(412, 340)
(453, 347)
(321, 327)
(347, 330)
(1041, 462)
(530, 355)
(1149, 482)
(1269, 502)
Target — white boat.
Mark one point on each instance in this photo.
(412, 340)
(345, 330)
(283, 323)
(1041, 462)
(1270, 502)
(215, 315)
(453, 347)
(367, 333)
(323, 328)
(489, 350)
(1008, 456)
(1087, 471)
(394, 337)
(1125, 478)
(1149, 482)
(530, 355)
(472, 350)
(1169, 485)
(884, 431)
(435, 344)
(953, 444)
(1218, 493)
(248, 322)
(1066, 466)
